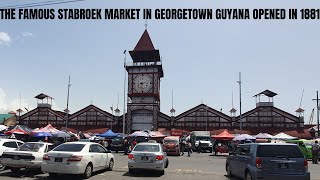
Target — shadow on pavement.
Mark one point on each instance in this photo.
(22, 173)
(231, 178)
(67, 176)
(143, 173)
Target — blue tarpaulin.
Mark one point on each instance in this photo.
(108, 133)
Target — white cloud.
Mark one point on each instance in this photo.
(5, 39)
(27, 34)
(12, 104)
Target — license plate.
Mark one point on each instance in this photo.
(145, 158)
(58, 160)
(283, 166)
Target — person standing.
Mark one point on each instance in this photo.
(126, 146)
(189, 148)
(315, 151)
(182, 147)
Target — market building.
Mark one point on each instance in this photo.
(143, 110)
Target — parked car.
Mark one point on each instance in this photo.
(117, 144)
(8, 145)
(171, 145)
(305, 151)
(77, 158)
(267, 161)
(147, 156)
(28, 155)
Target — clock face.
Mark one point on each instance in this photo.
(142, 83)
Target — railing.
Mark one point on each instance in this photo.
(157, 63)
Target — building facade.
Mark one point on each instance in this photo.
(143, 110)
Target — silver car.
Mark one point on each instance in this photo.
(147, 156)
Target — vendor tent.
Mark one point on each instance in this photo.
(243, 137)
(23, 128)
(16, 131)
(49, 128)
(60, 134)
(225, 135)
(41, 134)
(108, 134)
(139, 134)
(283, 136)
(263, 136)
(3, 127)
(156, 134)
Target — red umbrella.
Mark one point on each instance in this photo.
(16, 131)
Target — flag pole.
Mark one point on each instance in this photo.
(124, 93)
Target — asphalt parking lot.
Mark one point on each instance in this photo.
(198, 166)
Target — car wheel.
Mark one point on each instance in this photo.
(15, 170)
(131, 171)
(248, 176)
(167, 164)
(88, 171)
(111, 164)
(2, 167)
(53, 174)
(228, 168)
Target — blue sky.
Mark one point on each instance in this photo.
(201, 58)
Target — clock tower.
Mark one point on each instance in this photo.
(144, 75)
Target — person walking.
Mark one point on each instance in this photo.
(315, 151)
(189, 148)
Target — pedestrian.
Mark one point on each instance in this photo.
(182, 147)
(199, 146)
(315, 151)
(126, 146)
(189, 148)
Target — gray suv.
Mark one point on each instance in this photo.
(267, 161)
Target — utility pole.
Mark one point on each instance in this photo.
(124, 94)
(206, 117)
(240, 101)
(67, 110)
(317, 113)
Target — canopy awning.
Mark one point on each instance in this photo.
(225, 135)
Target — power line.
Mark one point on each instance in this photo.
(44, 3)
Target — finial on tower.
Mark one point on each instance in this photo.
(146, 24)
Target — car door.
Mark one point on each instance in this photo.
(95, 156)
(244, 159)
(234, 161)
(104, 156)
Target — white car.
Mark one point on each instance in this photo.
(77, 158)
(28, 155)
(8, 145)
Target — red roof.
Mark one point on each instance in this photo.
(145, 43)
(99, 131)
(225, 135)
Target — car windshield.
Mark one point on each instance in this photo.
(34, 147)
(203, 138)
(170, 141)
(279, 151)
(147, 148)
(117, 139)
(69, 147)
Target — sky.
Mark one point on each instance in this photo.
(201, 58)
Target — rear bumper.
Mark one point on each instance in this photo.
(21, 163)
(159, 165)
(70, 168)
(305, 176)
